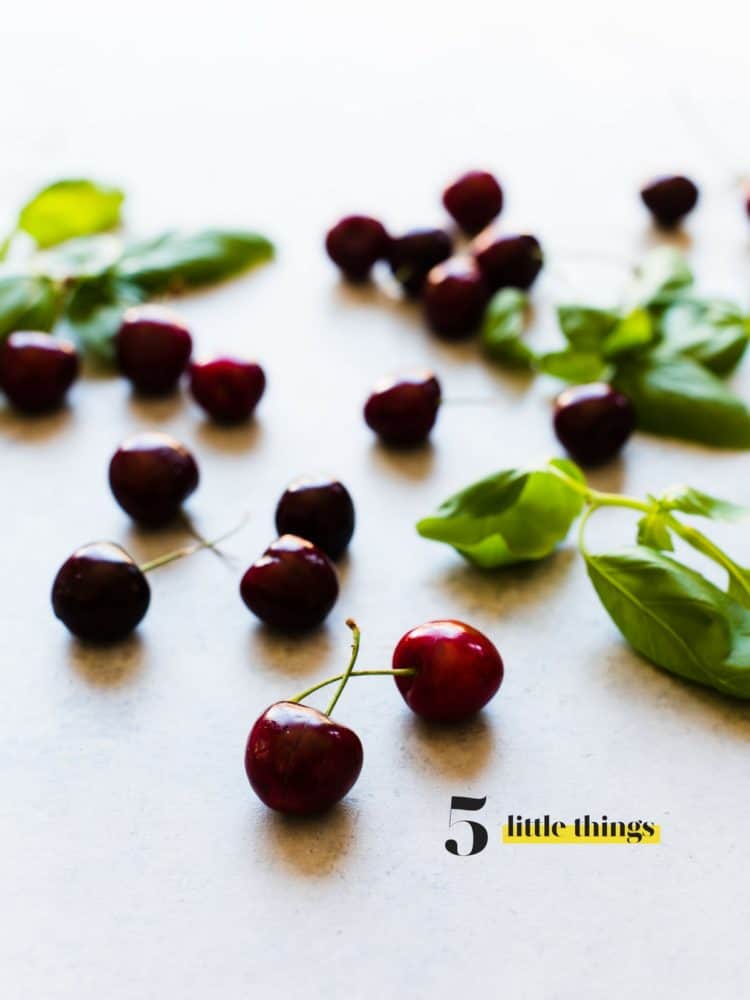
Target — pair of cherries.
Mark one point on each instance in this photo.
(300, 761)
(454, 292)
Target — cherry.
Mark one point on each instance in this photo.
(474, 200)
(298, 761)
(151, 475)
(593, 422)
(292, 586)
(669, 199)
(36, 370)
(510, 261)
(413, 255)
(455, 297)
(100, 593)
(320, 510)
(355, 244)
(153, 348)
(457, 670)
(402, 411)
(228, 389)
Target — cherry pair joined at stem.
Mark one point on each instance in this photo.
(300, 761)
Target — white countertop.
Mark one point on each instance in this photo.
(134, 860)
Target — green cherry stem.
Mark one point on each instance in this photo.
(189, 550)
(355, 673)
(356, 637)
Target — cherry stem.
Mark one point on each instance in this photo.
(355, 673)
(356, 637)
(189, 550)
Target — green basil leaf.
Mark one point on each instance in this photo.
(28, 302)
(654, 532)
(503, 326)
(514, 516)
(94, 314)
(586, 328)
(692, 501)
(634, 331)
(70, 208)
(675, 617)
(572, 365)
(662, 277)
(86, 257)
(678, 397)
(176, 260)
(740, 591)
(712, 332)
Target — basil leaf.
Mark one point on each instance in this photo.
(675, 617)
(654, 533)
(94, 314)
(678, 397)
(692, 501)
(662, 277)
(27, 302)
(740, 592)
(70, 208)
(175, 260)
(586, 328)
(503, 326)
(514, 516)
(634, 331)
(85, 257)
(572, 366)
(712, 332)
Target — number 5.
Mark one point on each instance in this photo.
(479, 832)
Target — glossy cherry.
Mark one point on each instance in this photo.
(151, 475)
(474, 200)
(298, 761)
(593, 422)
(508, 261)
(36, 370)
(458, 670)
(228, 389)
(412, 256)
(402, 411)
(454, 299)
(292, 586)
(355, 244)
(153, 347)
(320, 510)
(100, 593)
(670, 199)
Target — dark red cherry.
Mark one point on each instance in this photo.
(320, 510)
(36, 370)
(151, 475)
(99, 593)
(454, 297)
(355, 244)
(413, 255)
(402, 411)
(669, 199)
(593, 422)
(457, 668)
(298, 761)
(228, 389)
(292, 586)
(153, 348)
(474, 200)
(508, 261)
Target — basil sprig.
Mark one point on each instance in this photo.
(85, 277)
(667, 349)
(670, 613)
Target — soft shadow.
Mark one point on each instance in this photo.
(107, 666)
(678, 239)
(230, 438)
(298, 655)
(380, 295)
(312, 846)
(608, 478)
(457, 751)
(156, 409)
(410, 463)
(34, 427)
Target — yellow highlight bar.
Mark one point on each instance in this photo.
(566, 834)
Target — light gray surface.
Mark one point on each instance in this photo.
(134, 861)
